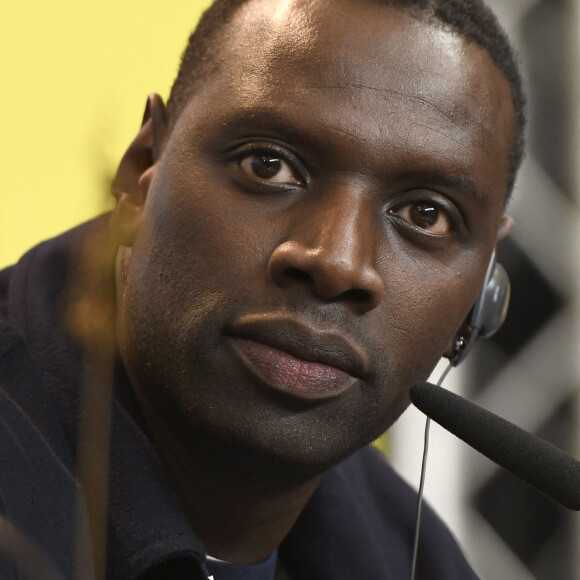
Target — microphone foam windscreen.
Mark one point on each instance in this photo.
(539, 463)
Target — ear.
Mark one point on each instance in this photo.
(504, 229)
(131, 184)
(505, 226)
(460, 336)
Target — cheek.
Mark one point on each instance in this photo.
(426, 304)
(215, 233)
(195, 258)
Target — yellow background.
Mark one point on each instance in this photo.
(73, 85)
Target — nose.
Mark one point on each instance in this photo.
(331, 251)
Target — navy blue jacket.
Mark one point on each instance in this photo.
(358, 525)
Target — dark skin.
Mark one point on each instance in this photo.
(301, 248)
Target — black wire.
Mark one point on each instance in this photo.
(422, 482)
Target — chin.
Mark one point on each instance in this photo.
(279, 468)
(286, 452)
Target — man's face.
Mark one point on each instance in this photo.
(315, 231)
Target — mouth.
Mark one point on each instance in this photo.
(296, 359)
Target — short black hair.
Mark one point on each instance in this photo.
(471, 19)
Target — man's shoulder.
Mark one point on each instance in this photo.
(37, 486)
(32, 291)
(38, 489)
(50, 257)
(5, 276)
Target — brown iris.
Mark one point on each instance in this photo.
(266, 166)
(424, 215)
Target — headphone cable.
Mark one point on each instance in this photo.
(422, 481)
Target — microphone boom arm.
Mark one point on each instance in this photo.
(534, 460)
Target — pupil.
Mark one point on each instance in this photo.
(265, 166)
(424, 215)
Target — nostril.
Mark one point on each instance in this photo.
(353, 295)
(298, 275)
(357, 295)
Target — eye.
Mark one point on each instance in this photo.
(425, 216)
(268, 166)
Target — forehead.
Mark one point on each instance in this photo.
(363, 69)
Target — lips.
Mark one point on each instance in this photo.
(296, 359)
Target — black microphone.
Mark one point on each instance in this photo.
(537, 462)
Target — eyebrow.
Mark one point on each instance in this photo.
(265, 120)
(458, 181)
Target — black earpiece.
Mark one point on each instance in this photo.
(488, 312)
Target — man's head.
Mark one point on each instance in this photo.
(471, 19)
(307, 238)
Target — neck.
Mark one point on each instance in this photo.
(237, 517)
